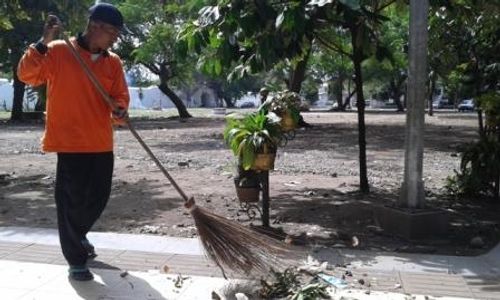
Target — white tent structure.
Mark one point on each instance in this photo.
(140, 98)
(6, 94)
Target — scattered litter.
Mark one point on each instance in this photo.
(183, 164)
(397, 286)
(313, 266)
(123, 274)
(361, 281)
(309, 193)
(334, 281)
(150, 229)
(355, 241)
(179, 281)
(240, 296)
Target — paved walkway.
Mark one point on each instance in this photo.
(153, 267)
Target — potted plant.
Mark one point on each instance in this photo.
(253, 139)
(286, 105)
(247, 185)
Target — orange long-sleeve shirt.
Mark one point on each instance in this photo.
(78, 119)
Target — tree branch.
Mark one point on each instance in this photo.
(333, 47)
(384, 6)
(152, 67)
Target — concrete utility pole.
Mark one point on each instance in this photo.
(412, 191)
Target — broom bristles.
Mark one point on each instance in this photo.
(235, 246)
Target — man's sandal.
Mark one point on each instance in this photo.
(80, 273)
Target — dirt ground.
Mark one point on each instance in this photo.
(313, 190)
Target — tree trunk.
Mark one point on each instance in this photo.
(360, 103)
(405, 96)
(181, 108)
(397, 100)
(17, 101)
(338, 88)
(431, 92)
(347, 100)
(229, 102)
(480, 122)
(395, 91)
(41, 98)
(412, 191)
(396, 95)
(298, 74)
(496, 186)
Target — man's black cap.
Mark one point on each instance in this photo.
(109, 14)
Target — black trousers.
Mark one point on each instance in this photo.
(83, 186)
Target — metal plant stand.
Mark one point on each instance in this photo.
(251, 209)
(264, 183)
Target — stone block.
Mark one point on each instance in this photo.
(412, 223)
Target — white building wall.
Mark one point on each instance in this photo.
(152, 97)
(6, 94)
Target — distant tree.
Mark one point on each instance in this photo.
(336, 69)
(251, 36)
(465, 48)
(390, 74)
(155, 26)
(22, 25)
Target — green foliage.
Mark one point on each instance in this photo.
(489, 103)
(152, 44)
(9, 12)
(254, 133)
(21, 23)
(284, 102)
(287, 285)
(282, 285)
(311, 291)
(464, 47)
(479, 169)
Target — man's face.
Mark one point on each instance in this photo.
(106, 35)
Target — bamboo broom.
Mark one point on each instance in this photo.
(225, 242)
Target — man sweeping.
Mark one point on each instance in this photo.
(79, 124)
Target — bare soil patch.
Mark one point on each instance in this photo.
(314, 189)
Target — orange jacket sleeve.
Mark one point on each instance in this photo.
(35, 68)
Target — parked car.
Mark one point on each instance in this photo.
(466, 105)
(247, 105)
(443, 103)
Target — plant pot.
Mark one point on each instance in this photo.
(287, 123)
(264, 161)
(248, 194)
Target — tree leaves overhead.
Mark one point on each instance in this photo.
(252, 36)
(352, 4)
(248, 37)
(464, 46)
(21, 23)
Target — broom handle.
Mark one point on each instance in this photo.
(109, 101)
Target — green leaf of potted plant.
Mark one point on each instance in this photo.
(252, 138)
(285, 104)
